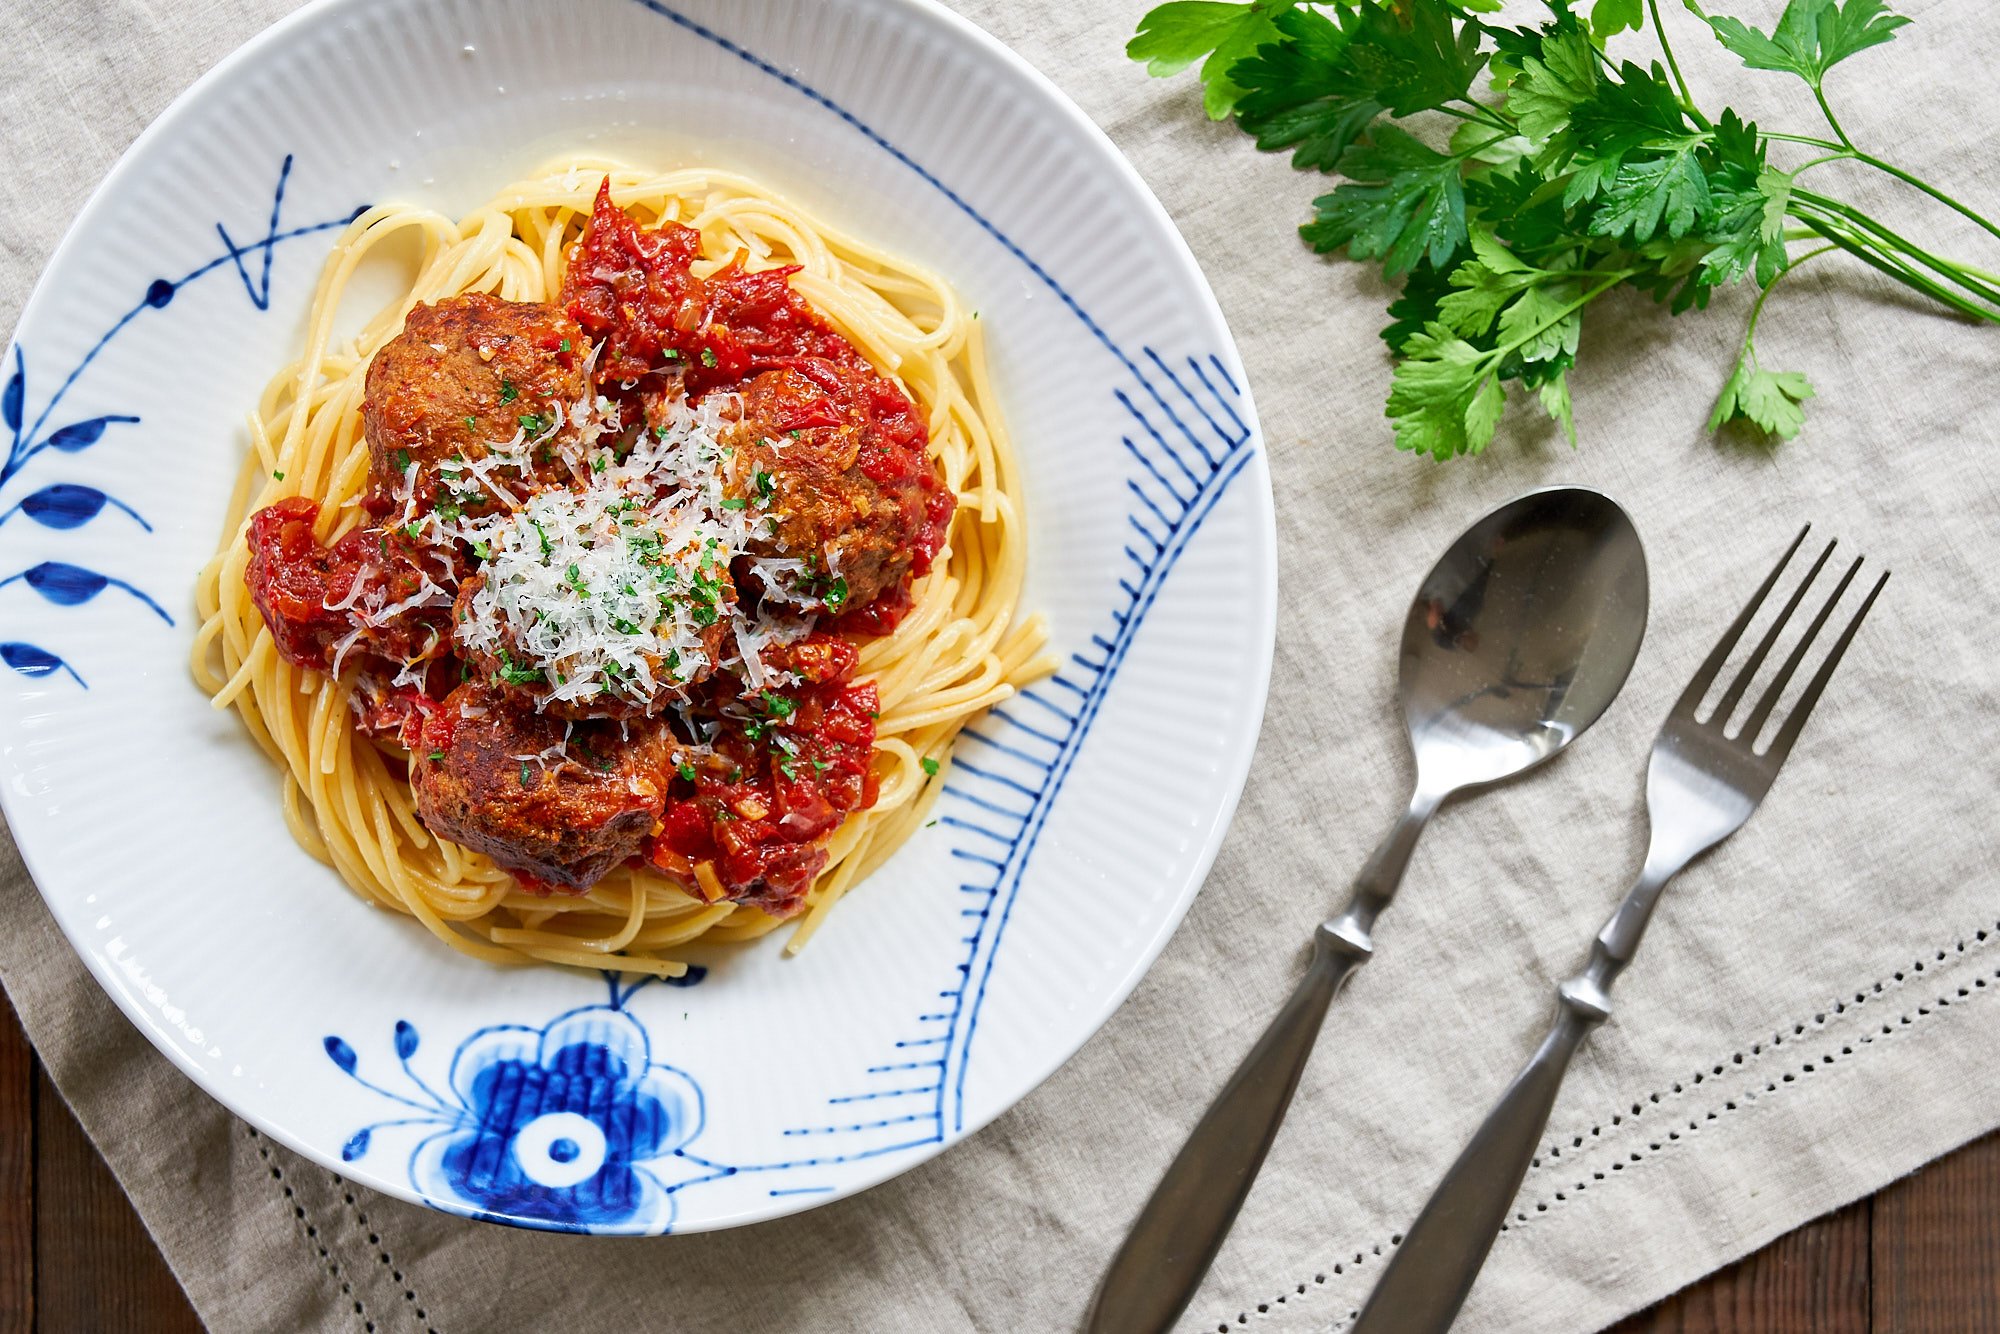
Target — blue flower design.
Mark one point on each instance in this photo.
(570, 1126)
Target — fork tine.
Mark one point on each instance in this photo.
(1742, 682)
(1755, 723)
(1781, 745)
(1704, 676)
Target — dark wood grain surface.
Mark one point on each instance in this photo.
(1922, 1257)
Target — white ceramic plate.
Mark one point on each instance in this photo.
(1080, 819)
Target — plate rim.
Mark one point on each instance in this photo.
(1231, 780)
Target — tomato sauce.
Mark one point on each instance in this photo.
(308, 593)
(633, 289)
(788, 768)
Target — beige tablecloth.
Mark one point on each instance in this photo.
(1815, 1012)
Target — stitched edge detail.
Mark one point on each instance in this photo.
(312, 1232)
(383, 1258)
(1828, 1017)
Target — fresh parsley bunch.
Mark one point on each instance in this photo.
(1568, 174)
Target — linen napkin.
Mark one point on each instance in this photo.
(1814, 1013)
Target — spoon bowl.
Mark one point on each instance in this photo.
(1521, 636)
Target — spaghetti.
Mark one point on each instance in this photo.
(956, 650)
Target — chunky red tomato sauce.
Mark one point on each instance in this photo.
(778, 780)
(314, 597)
(634, 289)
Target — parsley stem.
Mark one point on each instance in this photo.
(1806, 139)
(1831, 119)
(1944, 268)
(1833, 231)
(1483, 113)
(1687, 98)
(1757, 307)
(1838, 155)
(1926, 187)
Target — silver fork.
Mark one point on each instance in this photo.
(1701, 785)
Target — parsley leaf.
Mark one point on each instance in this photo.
(1300, 94)
(1608, 18)
(1812, 36)
(1769, 400)
(1553, 84)
(1670, 190)
(1405, 203)
(1177, 34)
(1431, 395)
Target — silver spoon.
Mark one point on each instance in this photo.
(1517, 640)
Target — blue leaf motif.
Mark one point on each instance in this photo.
(31, 660)
(342, 1054)
(356, 1146)
(406, 1039)
(10, 398)
(64, 584)
(69, 585)
(84, 434)
(68, 505)
(63, 505)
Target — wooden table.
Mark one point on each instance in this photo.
(1922, 1257)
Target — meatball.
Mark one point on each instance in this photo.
(561, 818)
(837, 456)
(465, 376)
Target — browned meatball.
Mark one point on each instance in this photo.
(558, 823)
(465, 374)
(862, 510)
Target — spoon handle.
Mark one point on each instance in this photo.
(1182, 1226)
(1177, 1234)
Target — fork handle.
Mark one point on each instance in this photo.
(1430, 1273)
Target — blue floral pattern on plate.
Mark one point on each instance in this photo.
(571, 1126)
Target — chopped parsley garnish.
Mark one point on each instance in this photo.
(527, 779)
(930, 766)
(563, 346)
(402, 460)
(472, 423)
(414, 530)
(481, 550)
(517, 675)
(686, 771)
(547, 546)
(836, 593)
(278, 476)
(766, 484)
(575, 577)
(533, 423)
(777, 706)
(785, 768)
(708, 356)
(436, 755)
(733, 502)
(508, 393)
(670, 354)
